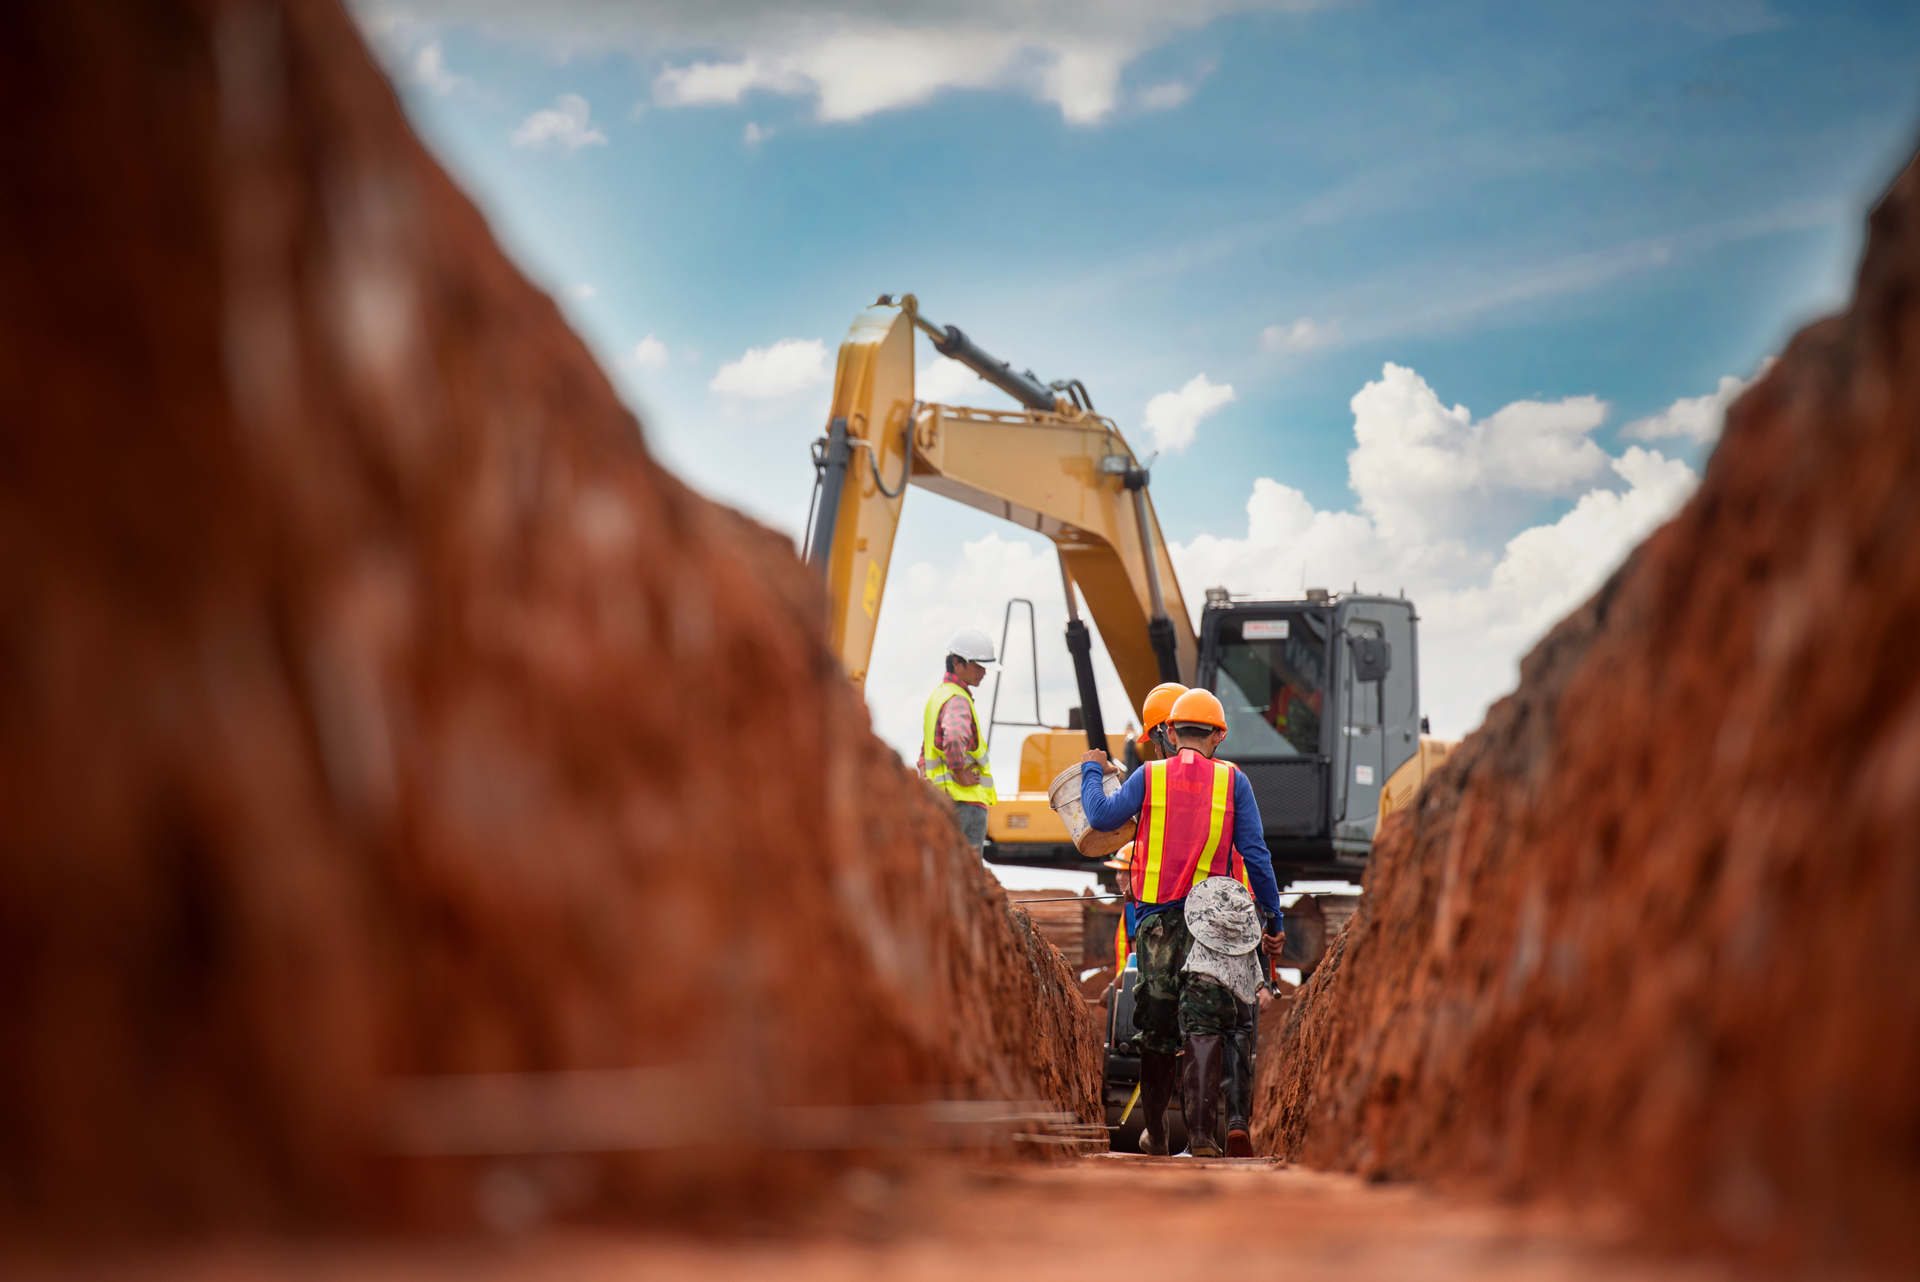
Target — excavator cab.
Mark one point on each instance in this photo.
(1322, 699)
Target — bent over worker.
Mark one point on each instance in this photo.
(1198, 820)
(953, 752)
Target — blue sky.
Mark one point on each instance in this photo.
(1569, 219)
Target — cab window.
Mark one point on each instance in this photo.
(1271, 680)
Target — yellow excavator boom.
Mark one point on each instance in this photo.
(1062, 471)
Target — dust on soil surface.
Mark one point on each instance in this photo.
(1089, 1218)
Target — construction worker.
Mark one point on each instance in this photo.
(1153, 744)
(1198, 821)
(953, 751)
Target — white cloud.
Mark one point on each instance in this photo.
(857, 57)
(1161, 97)
(1484, 598)
(1171, 93)
(948, 382)
(754, 134)
(706, 83)
(430, 70)
(582, 292)
(1173, 418)
(1697, 419)
(1303, 335)
(1426, 473)
(1424, 478)
(648, 353)
(790, 366)
(857, 71)
(567, 124)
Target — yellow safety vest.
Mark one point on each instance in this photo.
(934, 762)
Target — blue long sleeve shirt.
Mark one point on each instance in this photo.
(1107, 813)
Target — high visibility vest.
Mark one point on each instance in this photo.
(933, 762)
(1186, 828)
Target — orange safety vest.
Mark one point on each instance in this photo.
(1186, 828)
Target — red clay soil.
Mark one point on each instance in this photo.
(1099, 1219)
(373, 707)
(1653, 935)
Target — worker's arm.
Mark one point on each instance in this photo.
(1108, 813)
(1250, 840)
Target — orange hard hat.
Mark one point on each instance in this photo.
(1198, 707)
(1160, 701)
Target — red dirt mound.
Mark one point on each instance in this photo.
(372, 707)
(1653, 936)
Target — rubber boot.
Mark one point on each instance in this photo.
(1237, 1091)
(1157, 1070)
(1200, 1098)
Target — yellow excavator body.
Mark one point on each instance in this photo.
(1056, 467)
(1404, 784)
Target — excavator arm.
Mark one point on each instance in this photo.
(1053, 466)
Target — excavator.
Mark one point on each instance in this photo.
(1321, 693)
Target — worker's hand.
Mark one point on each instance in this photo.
(1095, 755)
(1274, 942)
(1115, 768)
(964, 775)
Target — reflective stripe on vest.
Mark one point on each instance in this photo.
(934, 762)
(1186, 828)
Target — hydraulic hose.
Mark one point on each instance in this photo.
(833, 480)
(906, 463)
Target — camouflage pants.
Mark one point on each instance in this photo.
(1169, 1003)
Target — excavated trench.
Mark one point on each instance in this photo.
(421, 811)
(1652, 938)
(403, 774)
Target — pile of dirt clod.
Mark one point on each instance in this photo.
(1653, 936)
(375, 714)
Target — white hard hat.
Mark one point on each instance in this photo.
(971, 643)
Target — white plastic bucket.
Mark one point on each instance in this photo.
(1064, 796)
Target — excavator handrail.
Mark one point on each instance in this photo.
(994, 719)
(1076, 422)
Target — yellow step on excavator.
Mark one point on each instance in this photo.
(1322, 694)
